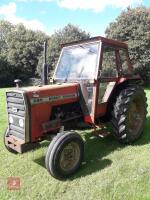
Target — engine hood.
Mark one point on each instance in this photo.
(48, 87)
(51, 93)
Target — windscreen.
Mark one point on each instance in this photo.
(78, 62)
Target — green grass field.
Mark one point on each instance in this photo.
(111, 171)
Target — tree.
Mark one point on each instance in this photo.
(20, 49)
(133, 27)
(24, 50)
(6, 29)
(6, 72)
(68, 34)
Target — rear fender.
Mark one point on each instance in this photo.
(122, 83)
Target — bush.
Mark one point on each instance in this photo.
(6, 73)
(33, 82)
(144, 72)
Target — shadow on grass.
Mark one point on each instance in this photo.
(40, 161)
(96, 149)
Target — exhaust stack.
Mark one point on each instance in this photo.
(45, 66)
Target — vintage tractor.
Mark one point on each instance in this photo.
(93, 83)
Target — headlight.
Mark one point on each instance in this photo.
(21, 123)
(11, 120)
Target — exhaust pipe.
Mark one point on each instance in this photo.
(45, 66)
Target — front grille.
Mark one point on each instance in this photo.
(16, 114)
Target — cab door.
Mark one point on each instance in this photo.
(108, 75)
(88, 87)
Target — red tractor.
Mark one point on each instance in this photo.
(93, 83)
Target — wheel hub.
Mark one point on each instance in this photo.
(135, 115)
(69, 156)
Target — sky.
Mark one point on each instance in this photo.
(93, 16)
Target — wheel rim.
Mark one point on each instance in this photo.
(70, 156)
(136, 115)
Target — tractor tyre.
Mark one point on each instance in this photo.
(51, 147)
(8, 148)
(64, 158)
(129, 114)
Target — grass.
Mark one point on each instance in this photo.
(111, 171)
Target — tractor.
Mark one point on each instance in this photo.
(93, 83)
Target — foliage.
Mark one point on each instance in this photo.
(21, 49)
(68, 34)
(33, 81)
(6, 72)
(133, 27)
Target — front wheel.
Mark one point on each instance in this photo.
(65, 155)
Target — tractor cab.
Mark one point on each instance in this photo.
(96, 64)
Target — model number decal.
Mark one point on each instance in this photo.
(52, 98)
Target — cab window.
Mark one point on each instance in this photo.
(124, 61)
(109, 67)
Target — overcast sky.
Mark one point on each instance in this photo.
(49, 15)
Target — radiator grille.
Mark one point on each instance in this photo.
(16, 114)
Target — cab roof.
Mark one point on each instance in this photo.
(98, 38)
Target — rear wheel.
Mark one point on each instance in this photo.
(65, 156)
(129, 114)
